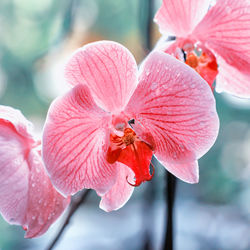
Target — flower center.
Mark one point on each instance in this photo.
(129, 136)
(131, 151)
(200, 59)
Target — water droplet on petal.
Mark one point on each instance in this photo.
(153, 85)
(164, 86)
(182, 147)
(202, 123)
(228, 10)
(40, 220)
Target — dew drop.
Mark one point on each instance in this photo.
(36, 161)
(228, 10)
(202, 123)
(164, 86)
(33, 217)
(154, 85)
(40, 220)
(182, 147)
(33, 184)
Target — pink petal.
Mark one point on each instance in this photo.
(16, 119)
(14, 177)
(44, 203)
(74, 143)
(232, 81)
(188, 172)
(25, 189)
(108, 69)
(179, 17)
(226, 30)
(175, 105)
(120, 193)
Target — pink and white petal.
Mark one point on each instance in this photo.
(120, 193)
(232, 81)
(23, 184)
(108, 69)
(175, 105)
(44, 203)
(16, 119)
(226, 30)
(179, 17)
(74, 143)
(188, 172)
(14, 176)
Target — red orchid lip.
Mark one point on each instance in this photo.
(132, 152)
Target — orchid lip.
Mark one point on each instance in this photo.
(134, 153)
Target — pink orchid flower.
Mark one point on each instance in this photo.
(27, 196)
(215, 42)
(87, 140)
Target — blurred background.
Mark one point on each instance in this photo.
(37, 38)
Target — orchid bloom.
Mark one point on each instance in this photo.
(88, 141)
(27, 196)
(214, 41)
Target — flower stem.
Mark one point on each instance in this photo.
(170, 190)
(75, 204)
